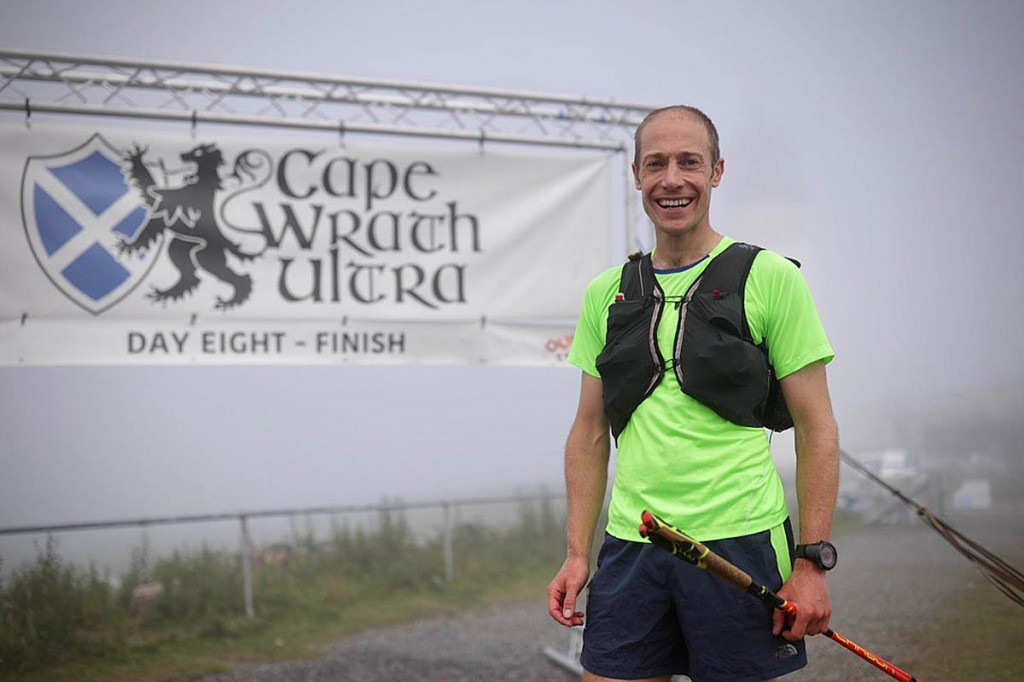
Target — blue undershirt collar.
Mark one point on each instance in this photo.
(680, 269)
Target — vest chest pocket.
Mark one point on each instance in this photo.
(720, 310)
(630, 363)
(719, 367)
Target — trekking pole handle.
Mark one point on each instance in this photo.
(686, 548)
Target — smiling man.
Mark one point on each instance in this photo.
(684, 354)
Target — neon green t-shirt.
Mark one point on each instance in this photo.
(678, 458)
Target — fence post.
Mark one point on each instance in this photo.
(247, 567)
(446, 539)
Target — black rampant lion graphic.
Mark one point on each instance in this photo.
(189, 217)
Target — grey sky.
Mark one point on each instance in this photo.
(879, 143)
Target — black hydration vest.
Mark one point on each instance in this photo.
(715, 359)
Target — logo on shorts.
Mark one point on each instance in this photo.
(786, 651)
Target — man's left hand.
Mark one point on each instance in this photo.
(806, 589)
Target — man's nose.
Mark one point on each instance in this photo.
(673, 176)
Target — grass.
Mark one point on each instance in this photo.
(191, 652)
(59, 623)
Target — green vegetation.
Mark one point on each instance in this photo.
(58, 622)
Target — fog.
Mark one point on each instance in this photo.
(878, 143)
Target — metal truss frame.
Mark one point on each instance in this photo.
(58, 83)
(163, 90)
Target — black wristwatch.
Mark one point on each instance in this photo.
(822, 553)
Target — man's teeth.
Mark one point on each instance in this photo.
(674, 203)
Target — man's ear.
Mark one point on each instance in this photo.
(718, 172)
(636, 176)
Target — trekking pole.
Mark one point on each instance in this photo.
(689, 550)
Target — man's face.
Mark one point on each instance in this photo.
(675, 175)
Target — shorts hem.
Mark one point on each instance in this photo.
(759, 676)
(631, 675)
(643, 674)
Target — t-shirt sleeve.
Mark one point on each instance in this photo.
(784, 315)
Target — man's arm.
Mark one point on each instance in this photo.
(817, 482)
(586, 476)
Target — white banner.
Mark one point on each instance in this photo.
(130, 246)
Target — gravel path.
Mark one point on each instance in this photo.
(501, 644)
(889, 580)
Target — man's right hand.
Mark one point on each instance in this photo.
(564, 591)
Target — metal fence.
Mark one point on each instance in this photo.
(449, 511)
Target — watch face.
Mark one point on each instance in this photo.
(827, 555)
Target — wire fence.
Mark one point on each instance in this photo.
(437, 518)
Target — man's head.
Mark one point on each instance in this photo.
(676, 167)
(680, 110)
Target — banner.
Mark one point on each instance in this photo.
(131, 246)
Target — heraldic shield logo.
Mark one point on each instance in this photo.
(78, 208)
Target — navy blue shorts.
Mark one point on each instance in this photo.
(648, 613)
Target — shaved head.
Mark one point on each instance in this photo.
(679, 110)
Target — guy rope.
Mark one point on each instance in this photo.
(1006, 578)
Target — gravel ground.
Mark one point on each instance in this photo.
(498, 644)
(890, 580)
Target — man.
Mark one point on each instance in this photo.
(649, 615)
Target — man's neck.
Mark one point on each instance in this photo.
(672, 252)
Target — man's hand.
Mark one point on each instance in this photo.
(807, 591)
(564, 591)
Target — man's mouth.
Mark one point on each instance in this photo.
(674, 203)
